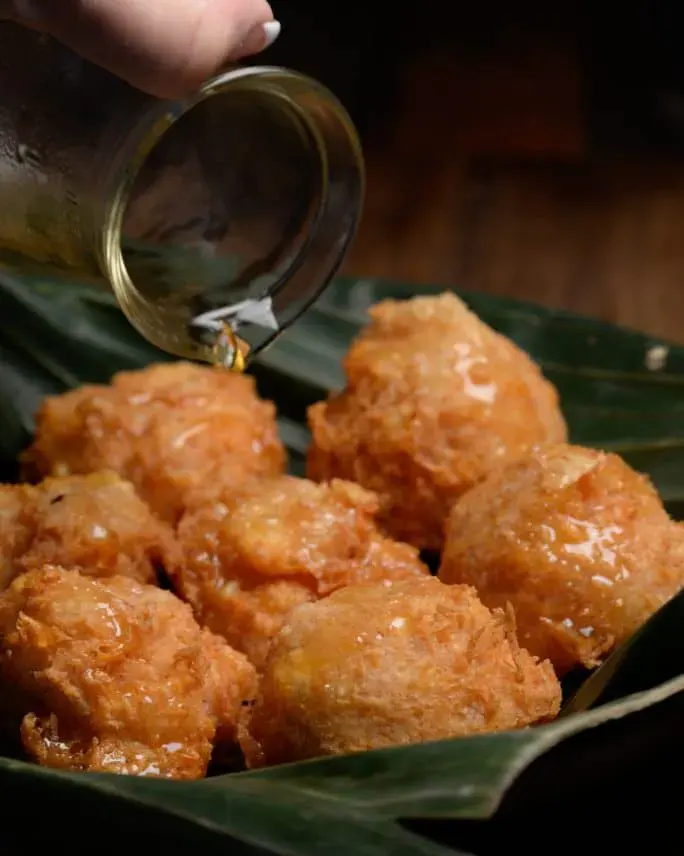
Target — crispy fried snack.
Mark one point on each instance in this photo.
(15, 536)
(275, 543)
(96, 524)
(435, 400)
(113, 676)
(173, 430)
(576, 541)
(373, 666)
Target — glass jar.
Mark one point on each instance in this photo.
(236, 205)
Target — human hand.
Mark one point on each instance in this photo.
(165, 47)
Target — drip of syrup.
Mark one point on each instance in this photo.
(230, 351)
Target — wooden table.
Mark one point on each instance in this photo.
(484, 178)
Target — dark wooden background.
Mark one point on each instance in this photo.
(527, 151)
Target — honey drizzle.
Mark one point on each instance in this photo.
(230, 351)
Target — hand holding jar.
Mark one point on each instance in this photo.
(165, 47)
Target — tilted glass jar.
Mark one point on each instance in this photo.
(234, 205)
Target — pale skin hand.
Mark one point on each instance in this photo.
(165, 47)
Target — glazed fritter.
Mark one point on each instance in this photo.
(435, 400)
(173, 430)
(96, 524)
(114, 676)
(373, 666)
(576, 541)
(249, 558)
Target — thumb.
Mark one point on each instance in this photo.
(166, 47)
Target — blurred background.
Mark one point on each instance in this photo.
(527, 149)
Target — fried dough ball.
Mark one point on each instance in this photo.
(435, 400)
(96, 524)
(276, 543)
(117, 677)
(15, 534)
(576, 541)
(372, 666)
(174, 430)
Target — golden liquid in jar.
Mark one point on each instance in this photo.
(225, 349)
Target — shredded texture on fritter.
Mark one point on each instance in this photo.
(96, 524)
(375, 665)
(114, 676)
(576, 541)
(272, 544)
(434, 401)
(175, 431)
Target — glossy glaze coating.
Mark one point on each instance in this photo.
(113, 676)
(262, 549)
(94, 523)
(434, 401)
(576, 541)
(176, 431)
(375, 665)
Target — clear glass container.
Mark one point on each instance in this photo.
(235, 205)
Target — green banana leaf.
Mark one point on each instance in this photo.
(425, 799)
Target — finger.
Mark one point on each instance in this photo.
(166, 47)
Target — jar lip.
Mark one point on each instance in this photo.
(147, 317)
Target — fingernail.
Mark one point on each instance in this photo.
(259, 39)
(271, 31)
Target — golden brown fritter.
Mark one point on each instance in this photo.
(15, 535)
(113, 676)
(435, 400)
(576, 541)
(174, 430)
(275, 543)
(372, 666)
(96, 524)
